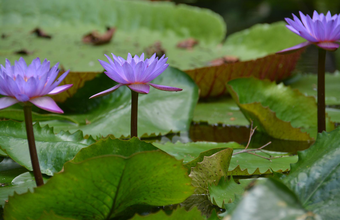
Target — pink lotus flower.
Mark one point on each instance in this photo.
(22, 83)
(321, 30)
(135, 73)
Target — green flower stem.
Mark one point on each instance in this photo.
(134, 113)
(321, 91)
(31, 144)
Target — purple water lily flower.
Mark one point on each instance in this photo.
(321, 30)
(22, 83)
(135, 72)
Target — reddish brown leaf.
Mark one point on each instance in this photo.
(40, 33)
(77, 79)
(155, 48)
(188, 43)
(96, 38)
(224, 60)
(212, 80)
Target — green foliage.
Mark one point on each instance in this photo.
(179, 213)
(53, 149)
(100, 187)
(276, 110)
(314, 178)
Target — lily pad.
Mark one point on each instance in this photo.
(276, 110)
(20, 184)
(271, 200)
(223, 110)
(307, 84)
(100, 187)
(53, 149)
(314, 179)
(111, 145)
(138, 26)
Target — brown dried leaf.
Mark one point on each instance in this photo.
(155, 48)
(188, 43)
(96, 38)
(23, 52)
(40, 33)
(212, 79)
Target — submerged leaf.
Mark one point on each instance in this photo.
(102, 187)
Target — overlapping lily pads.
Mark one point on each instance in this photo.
(53, 149)
(100, 187)
(276, 110)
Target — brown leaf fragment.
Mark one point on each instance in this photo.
(3, 36)
(188, 43)
(40, 33)
(96, 38)
(155, 48)
(224, 60)
(23, 52)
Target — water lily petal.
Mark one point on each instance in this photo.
(140, 88)
(129, 73)
(148, 70)
(60, 89)
(156, 73)
(7, 101)
(294, 48)
(165, 88)
(106, 66)
(22, 97)
(30, 87)
(305, 22)
(105, 92)
(57, 82)
(328, 45)
(319, 31)
(46, 103)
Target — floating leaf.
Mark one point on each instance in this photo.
(53, 149)
(100, 187)
(179, 213)
(111, 145)
(315, 178)
(276, 110)
(20, 184)
(226, 190)
(271, 200)
(223, 110)
(139, 25)
(307, 84)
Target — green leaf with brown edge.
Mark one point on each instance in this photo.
(110, 145)
(315, 177)
(100, 187)
(179, 213)
(139, 26)
(53, 149)
(276, 110)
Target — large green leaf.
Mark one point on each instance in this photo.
(276, 110)
(139, 25)
(102, 187)
(314, 178)
(53, 149)
(179, 213)
(268, 201)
